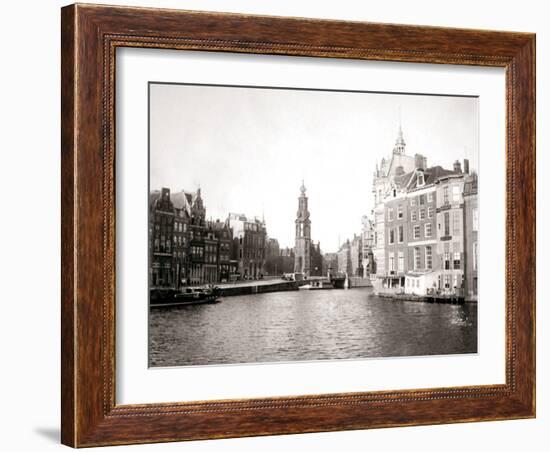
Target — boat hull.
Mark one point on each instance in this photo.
(176, 298)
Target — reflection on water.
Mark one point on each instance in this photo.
(308, 325)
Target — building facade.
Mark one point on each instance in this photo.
(316, 256)
(471, 226)
(396, 254)
(161, 235)
(367, 240)
(249, 245)
(450, 233)
(272, 257)
(344, 259)
(422, 258)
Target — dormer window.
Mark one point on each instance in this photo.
(420, 178)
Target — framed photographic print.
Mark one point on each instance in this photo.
(280, 225)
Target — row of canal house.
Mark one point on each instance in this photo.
(425, 227)
(187, 249)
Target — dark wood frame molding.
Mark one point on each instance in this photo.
(90, 35)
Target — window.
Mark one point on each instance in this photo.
(400, 234)
(390, 214)
(416, 232)
(420, 179)
(428, 252)
(447, 226)
(391, 233)
(422, 214)
(445, 195)
(456, 261)
(413, 201)
(430, 197)
(430, 212)
(474, 219)
(400, 261)
(422, 199)
(456, 193)
(392, 262)
(474, 262)
(413, 215)
(417, 258)
(428, 230)
(447, 260)
(400, 212)
(447, 281)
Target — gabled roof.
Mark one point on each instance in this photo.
(431, 175)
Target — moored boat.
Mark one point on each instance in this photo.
(186, 297)
(317, 285)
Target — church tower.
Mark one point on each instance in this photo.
(302, 260)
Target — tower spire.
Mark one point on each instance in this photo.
(400, 144)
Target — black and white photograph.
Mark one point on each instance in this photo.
(300, 225)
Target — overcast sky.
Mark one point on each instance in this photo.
(250, 148)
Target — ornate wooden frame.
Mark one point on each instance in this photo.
(90, 34)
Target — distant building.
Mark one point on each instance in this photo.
(367, 240)
(287, 260)
(182, 220)
(224, 237)
(344, 258)
(272, 257)
(249, 239)
(330, 264)
(356, 256)
(316, 257)
(302, 248)
(197, 274)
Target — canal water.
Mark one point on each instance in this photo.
(308, 325)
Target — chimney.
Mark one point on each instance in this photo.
(466, 166)
(399, 170)
(420, 161)
(456, 167)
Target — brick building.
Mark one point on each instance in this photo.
(161, 235)
(249, 242)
